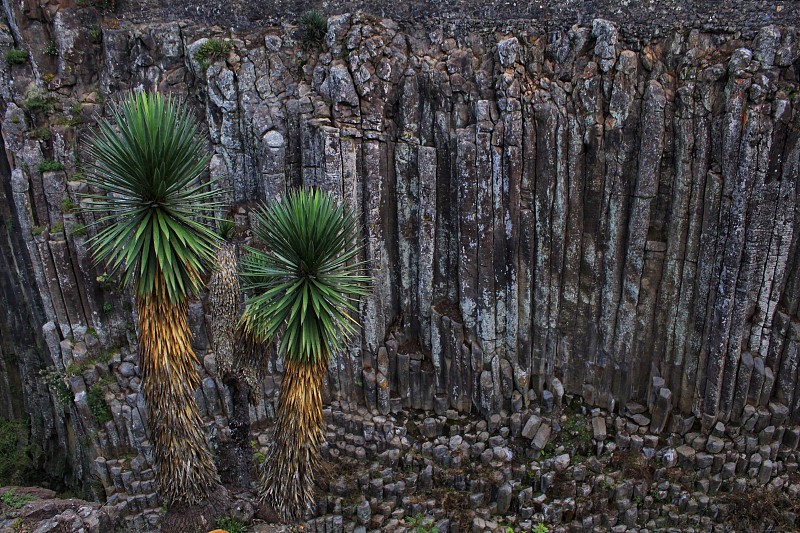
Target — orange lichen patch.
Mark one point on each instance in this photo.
(218, 531)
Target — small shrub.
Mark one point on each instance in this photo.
(540, 528)
(106, 282)
(38, 101)
(37, 230)
(79, 230)
(576, 435)
(14, 500)
(75, 115)
(107, 308)
(313, 28)
(49, 165)
(57, 228)
(51, 49)
(96, 34)
(97, 404)
(548, 452)
(43, 134)
(210, 51)
(259, 458)
(231, 525)
(57, 382)
(68, 206)
(17, 57)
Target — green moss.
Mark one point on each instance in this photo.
(14, 451)
(49, 165)
(210, 51)
(17, 57)
(57, 228)
(37, 230)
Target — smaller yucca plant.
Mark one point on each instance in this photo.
(304, 286)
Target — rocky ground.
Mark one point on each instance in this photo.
(556, 467)
(647, 18)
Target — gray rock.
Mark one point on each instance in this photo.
(531, 427)
(599, 428)
(542, 436)
(504, 498)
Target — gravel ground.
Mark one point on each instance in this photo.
(637, 19)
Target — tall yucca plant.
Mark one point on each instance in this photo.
(147, 159)
(304, 288)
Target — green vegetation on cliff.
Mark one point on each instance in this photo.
(14, 451)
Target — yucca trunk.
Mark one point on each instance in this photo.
(288, 477)
(224, 298)
(186, 472)
(253, 367)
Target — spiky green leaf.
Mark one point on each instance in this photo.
(147, 160)
(306, 282)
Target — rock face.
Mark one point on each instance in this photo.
(545, 213)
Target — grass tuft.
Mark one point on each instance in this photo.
(38, 101)
(313, 28)
(49, 165)
(16, 56)
(212, 50)
(231, 525)
(15, 501)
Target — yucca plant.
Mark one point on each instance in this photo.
(147, 160)
(304, 287)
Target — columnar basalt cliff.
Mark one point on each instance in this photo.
(574, 211)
